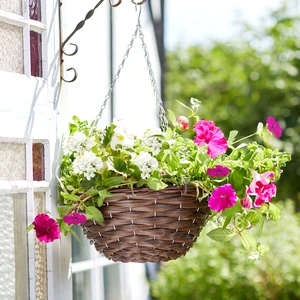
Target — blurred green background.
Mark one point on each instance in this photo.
(241, 83)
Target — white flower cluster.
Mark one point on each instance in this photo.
(77, 143)
(87, 164)
(146, 163)
(153, 141)
(121, 137)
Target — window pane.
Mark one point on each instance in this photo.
(82, 285)
(80, 252)
(36, 54)
(12, 158)
(35, 10)
(40, 253)
(11, 48)
(112, 284)
(12, 6)
(13, 247)
(38, 162)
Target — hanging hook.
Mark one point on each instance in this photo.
(74, 77)
(73, 53)
(138, 3)
(116, 4)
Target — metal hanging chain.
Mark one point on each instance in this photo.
(159, 103)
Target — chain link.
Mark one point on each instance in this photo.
(159, 103)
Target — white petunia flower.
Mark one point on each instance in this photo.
(77, 143)
(146, 163)
(120, 137)
(87, 164)
(152, 141)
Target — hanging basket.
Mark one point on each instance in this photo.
(148, 226)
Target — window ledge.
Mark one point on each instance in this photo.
(22, 186)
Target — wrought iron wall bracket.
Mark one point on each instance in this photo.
(78, 27)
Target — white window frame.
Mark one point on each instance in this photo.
(29, 25)
(27, 99)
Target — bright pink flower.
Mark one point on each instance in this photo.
(75, 219)
(274, 127)
(222, 197)
(211, 135)
(218, 171)
(183, 122)
(246, 202)
(46, 228)
(261, 188)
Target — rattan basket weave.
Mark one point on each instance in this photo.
(148, 226)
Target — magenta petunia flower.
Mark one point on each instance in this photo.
(261, 188)
(183, 122)
(222, 197)
(211, 135)
(46, 228)
(274, 127)
(218, 171)
(75, 219)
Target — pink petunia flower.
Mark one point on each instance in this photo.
(46, 228)
(246, 202)
(183, 122)
(222, 197)
(274, 127)
(218, 171)
(261, 188)
(75, 219)
(211, 135)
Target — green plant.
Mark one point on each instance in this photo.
(235, 177)
(214, 271)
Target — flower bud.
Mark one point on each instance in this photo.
(183, 122)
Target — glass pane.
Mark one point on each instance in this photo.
(35, 10)
(12, 158)
(40, 253)
(80, 252)
(12, 6)
(112, 284)
(38, 162)
(11, 48)
(13, 247)
(36, 54)
(82, 285)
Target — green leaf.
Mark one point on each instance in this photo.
(248, 241)
(260, 126)
(263, 249)
(220, 235)
(87, 184)
(172, 117)
(29, 228)
(64, 209)
(113, 181)
(119, 164)
(109, 132)
(232, 135)
(155, 184)
(76, 236)
(70, 197)
(94, 214)
(103, 194)
(169, 134)
(92, 192)
(274, 212)
(227, 221)
(233, 210)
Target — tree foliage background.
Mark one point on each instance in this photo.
(241, 83)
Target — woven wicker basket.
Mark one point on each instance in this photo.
(148, 226)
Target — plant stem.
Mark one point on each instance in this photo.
(246, 137)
